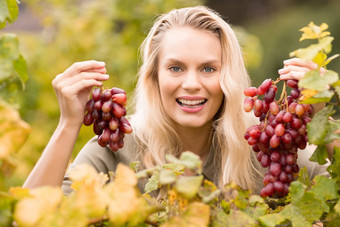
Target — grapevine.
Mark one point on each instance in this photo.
(106, 111)
(280, 133)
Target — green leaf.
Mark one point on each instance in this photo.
(293, 214)
(271, 220)
(324, 188)
(9, 53)
(310, 52)
(304, 176)
(153, 183)
(320, 155)
(8, 12)
(257, 211)
(188, 185)
(187, 159)
(135, 166)
(319, 126)
(166, 177)
(20, 68)
(313, 80)
(240, 218)
(305, 206)
(334, 168)
(177, 169)
(323, 96)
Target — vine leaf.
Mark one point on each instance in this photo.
(312, 96)
(8, 12)
(313, 31)
(304, 176)
(305, 206)
(271, 220)
(334, 168)
(313, 80)
(197, 214)
(319, 126)
(153, 183)
(12, 63)
(310, 52)
(320, 155)
(188, 186)
(324, 189)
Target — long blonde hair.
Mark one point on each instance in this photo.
(154, 131)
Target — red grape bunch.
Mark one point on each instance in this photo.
(280, 133)
(106, 111)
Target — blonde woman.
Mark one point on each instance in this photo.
(189, 97)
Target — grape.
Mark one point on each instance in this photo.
(96, 94)
(89, 106)
(118, 110)
(279, 129)
(299, 109)
(281, 132)
(251, 91)
(119, 98)
(106, 111)
(265, 161)
(275, 168)
(274, 108)
(269, 95)
(248, 104)
(292, 83)
(107, 106)
(88, 119)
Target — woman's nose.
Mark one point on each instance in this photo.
(191, 81)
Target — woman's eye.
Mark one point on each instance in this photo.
(175, 69)
(208, 69)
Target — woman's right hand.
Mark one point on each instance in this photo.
(73, 88)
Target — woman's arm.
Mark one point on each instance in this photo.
(72, 88)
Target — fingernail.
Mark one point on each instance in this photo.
(101, 63)
(106, 76)
(281, 71)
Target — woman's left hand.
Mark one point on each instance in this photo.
(296, 68)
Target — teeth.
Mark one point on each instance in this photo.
(191, 102)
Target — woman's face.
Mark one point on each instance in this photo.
(188, 73)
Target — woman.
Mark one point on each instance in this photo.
(189, 96)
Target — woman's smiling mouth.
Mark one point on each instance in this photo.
(191, 103)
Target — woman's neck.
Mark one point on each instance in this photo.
(196, 140)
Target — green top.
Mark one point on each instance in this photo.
(104, 160)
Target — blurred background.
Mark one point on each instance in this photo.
(55, 33)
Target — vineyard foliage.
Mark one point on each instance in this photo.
(114, 199)
(13, 76)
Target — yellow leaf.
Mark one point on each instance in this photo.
(307, 93)
(90, 196)
(44, 200)
(313, 31)
(13, 131)
(125, 203)
(19, 192)
(197, 214)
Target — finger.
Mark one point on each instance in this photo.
(75, 88)
(84, 66)
(69, 81)
(301, 62)
(291, 68)
(292, 75)
(99, 70)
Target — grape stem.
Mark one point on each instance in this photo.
(283, 93)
